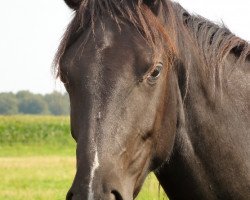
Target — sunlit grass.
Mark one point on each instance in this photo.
(151, 190)
(42, 178)
(35, 177)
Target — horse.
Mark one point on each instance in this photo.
(154, 88)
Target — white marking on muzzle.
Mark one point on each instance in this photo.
(92, 174)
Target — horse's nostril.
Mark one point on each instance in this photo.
(116, 195)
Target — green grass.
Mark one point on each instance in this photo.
(37, 160)
(36, 178)
(40, 178)
(27, 130)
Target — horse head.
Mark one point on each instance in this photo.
(116, 70)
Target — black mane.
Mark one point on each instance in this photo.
(215, 41)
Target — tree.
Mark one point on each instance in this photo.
(8, 104)
(31, 103)
(58, 103)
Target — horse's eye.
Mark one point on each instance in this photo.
(155, 74)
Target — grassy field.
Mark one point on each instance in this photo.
(37, 160)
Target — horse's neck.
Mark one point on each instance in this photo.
(211, 157)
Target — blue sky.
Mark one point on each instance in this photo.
(31, 31)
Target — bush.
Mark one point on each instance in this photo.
(25, 102)
(58, 103)
(8, 104)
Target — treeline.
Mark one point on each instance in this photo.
(25, 102)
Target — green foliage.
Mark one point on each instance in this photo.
(25, 102)
(34, 104)
(58, 103)
(35, 130)
(23, 94)
(8, 104)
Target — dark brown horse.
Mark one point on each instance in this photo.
(153, 88)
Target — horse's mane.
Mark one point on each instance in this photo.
(134, 13)
(215, 41)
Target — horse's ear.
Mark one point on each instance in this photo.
(73, 4)
(154, 5)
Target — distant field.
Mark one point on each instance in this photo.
(28, 130)
(37, 160)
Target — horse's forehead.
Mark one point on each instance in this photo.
(103, 36)
(111, 34)
(109, 46)
(107, 49)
